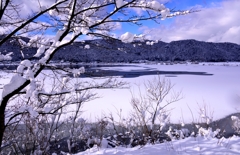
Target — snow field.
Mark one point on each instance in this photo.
(187, 146)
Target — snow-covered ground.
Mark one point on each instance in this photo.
(187, 146)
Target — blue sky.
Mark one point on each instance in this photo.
(217, 21)
(179, 5)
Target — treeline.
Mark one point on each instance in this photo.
(116, 51)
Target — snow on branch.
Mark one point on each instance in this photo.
(127, 37)
(27, 22)
(6, 57)
(22, 65)
(120, 3)
(18, 80)
(15, 82)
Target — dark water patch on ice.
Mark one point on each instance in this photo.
(119, 70)
(138, 73)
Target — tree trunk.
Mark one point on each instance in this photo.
(2, 127)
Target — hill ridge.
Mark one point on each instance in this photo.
(116, 51)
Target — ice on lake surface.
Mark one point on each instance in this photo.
(214, 85)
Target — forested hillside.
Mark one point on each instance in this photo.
(117, 51)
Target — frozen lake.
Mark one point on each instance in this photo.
(214, 85)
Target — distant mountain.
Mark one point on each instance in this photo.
(116, 51)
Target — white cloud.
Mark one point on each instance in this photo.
(30, 6)
(117, 26)
(218, 23)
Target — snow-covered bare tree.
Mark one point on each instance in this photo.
(66, 20)
(149, 107)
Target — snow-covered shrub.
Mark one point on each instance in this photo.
(205, 114)
(208, 133)
(236, 123)
(121, 129)
(177, 133)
